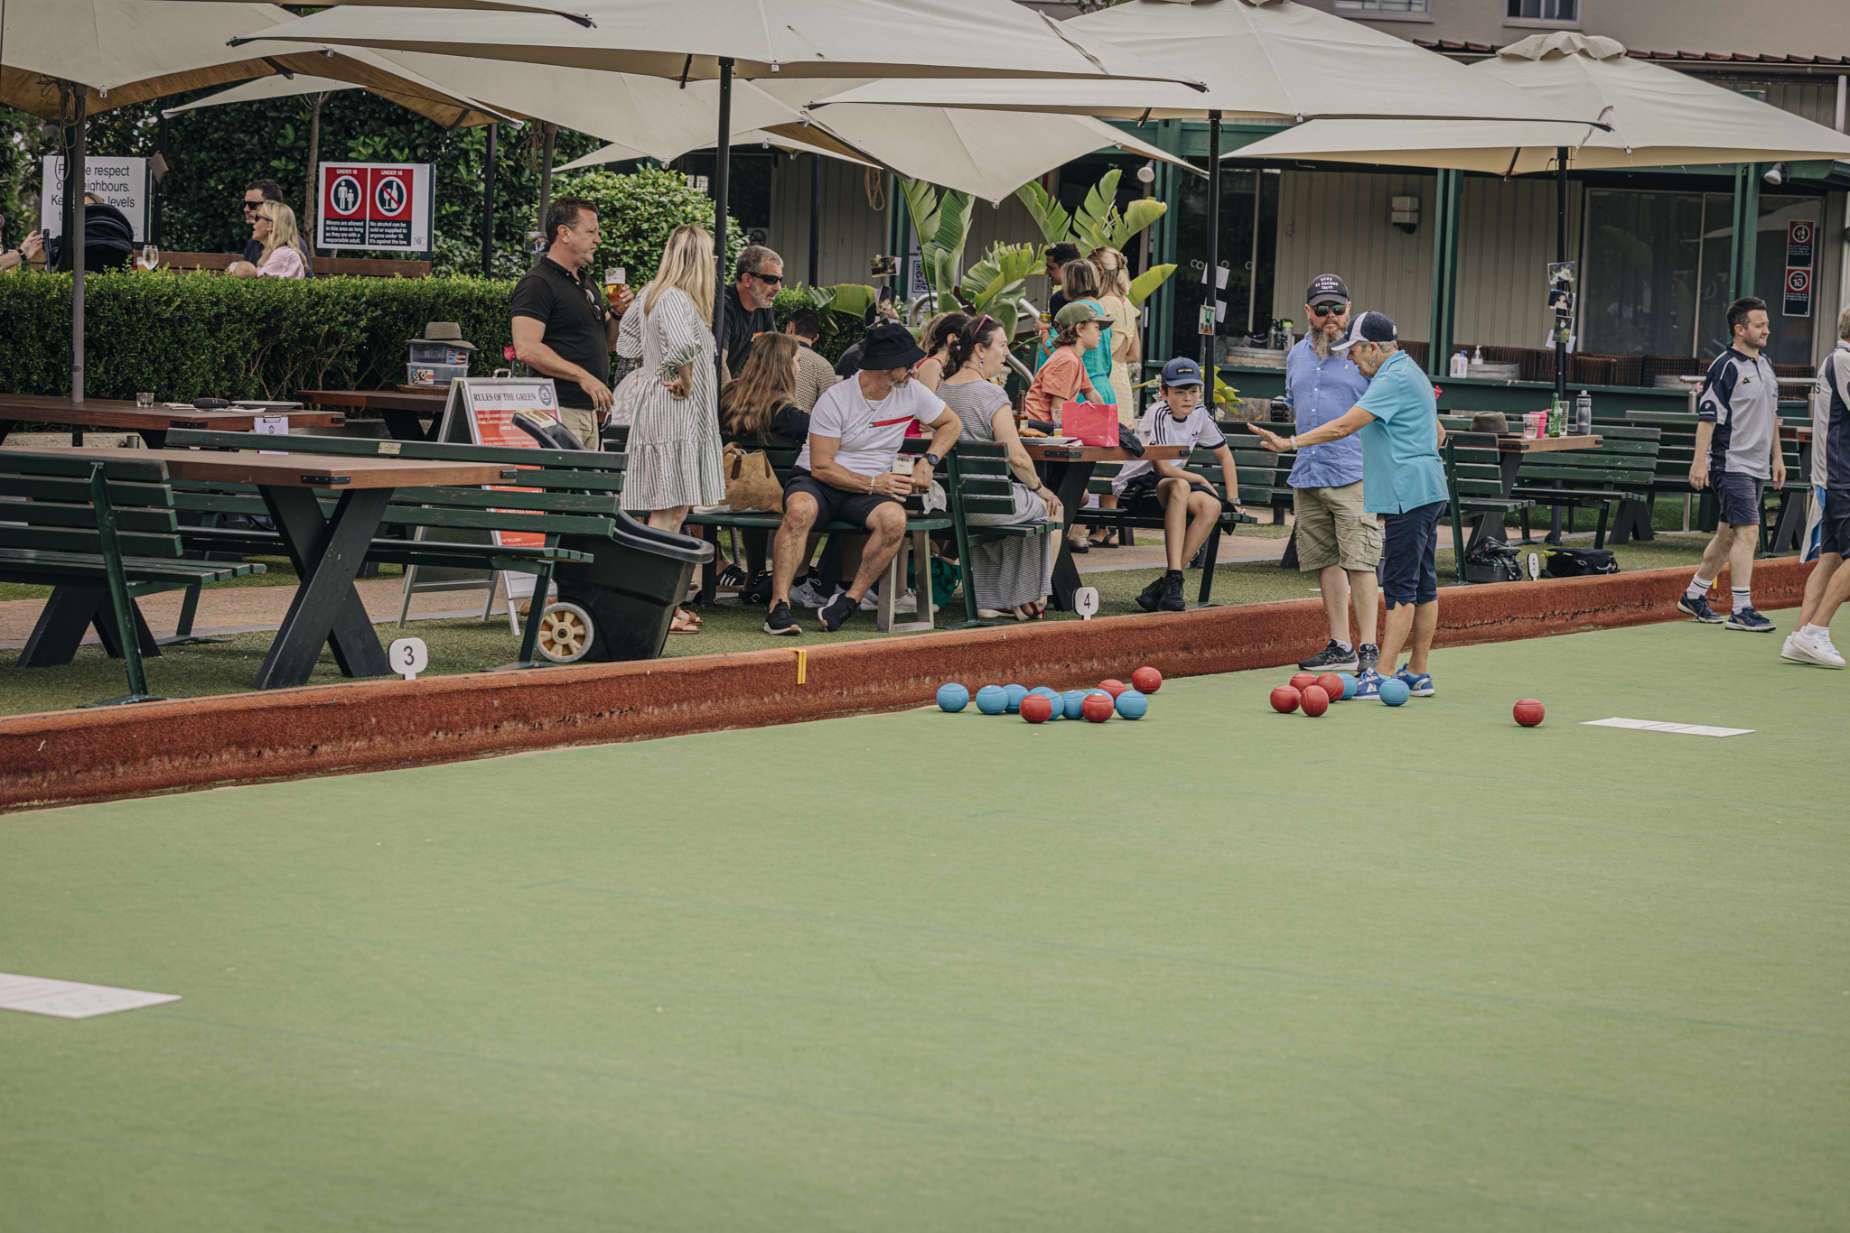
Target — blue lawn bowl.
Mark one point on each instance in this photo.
(1394, 691)
(1015, 694)
(1071, 702)
(992, 700)
(1132, 705)
(1053, 696)
(953, 697)
(1349, 685)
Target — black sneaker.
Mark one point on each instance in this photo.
(759, 592)
(1172, 600)
(1366, 657)
(836, 612)
(1698, 608)
(1151, 597)
(1332, 658)
(1750, 621)
(779, 620)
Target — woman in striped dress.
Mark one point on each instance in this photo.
(1012, 576)
(674, 444)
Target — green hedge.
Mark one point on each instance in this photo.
(187, 336)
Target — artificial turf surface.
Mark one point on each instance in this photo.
(1218, 969)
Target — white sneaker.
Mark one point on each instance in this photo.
(810, 595)
(1801, 648)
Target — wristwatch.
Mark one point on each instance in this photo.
(932, 461)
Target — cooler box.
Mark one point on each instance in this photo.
(434, 375)
(425, 354)
(631, 587)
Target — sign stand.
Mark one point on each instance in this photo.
(480, 411)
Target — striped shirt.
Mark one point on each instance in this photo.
(1161, 427)
(814, 375)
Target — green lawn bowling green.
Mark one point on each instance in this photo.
(1219, 969)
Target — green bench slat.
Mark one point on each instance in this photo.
(123, 495)
(63, 514)
(77, 539)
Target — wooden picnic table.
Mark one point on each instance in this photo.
(1067, 469)
(409, 415)
(153, 422)
(326, 550)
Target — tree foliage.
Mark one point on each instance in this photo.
(637, 212)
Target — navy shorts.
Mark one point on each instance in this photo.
(1409, 556)
(1835, 526)
(1737, 497)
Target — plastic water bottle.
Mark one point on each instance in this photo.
(1460, 364)
(1583, 414)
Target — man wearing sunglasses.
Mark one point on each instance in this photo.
(1337, 539)
(756, 280)
(255, 194)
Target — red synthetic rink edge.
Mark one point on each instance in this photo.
(68, 757)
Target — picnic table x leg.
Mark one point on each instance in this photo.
(68, 615)
(327, 553)
(1068, 481)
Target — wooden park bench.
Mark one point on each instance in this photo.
(560, 494)
(919, 528)
(100, 534)
(1474, 484)
(1622, 468)
(1782, 526)
(358, 267)
(978, 481)
(1256, 469)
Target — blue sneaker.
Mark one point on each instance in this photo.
(1698, 608)
(1750, 621)
(1418, 684)
(1368, 685)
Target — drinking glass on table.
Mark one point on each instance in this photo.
(150, 257)
(144, 399)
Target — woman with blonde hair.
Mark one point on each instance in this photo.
(674, 443)
(1126, 346)
(273, 225)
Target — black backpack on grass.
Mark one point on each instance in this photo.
(1578, 562)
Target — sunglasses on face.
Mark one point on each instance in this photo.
(769, 279)
(251, 205)
(1329, 310)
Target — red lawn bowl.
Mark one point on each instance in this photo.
(1098, 707)
(1114, 687)
(1036, 709)
(1315, 701)
(1146, 680)
(1331, 684)
(1285, 699)
(1303, 680)
(1529, 712)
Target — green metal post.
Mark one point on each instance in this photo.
(121, 603)
(1743, 248)
(1448, 187)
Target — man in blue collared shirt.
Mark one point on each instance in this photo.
(1336, 538)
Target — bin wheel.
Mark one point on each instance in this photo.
(566, 631)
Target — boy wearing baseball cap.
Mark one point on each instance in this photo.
(1188, 504)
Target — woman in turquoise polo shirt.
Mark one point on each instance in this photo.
(1403, 479)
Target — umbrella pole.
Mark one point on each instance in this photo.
(488, 204)
(549, 133)
(1561, 255)
(815, 219)
(722, 162)
(74, 244)
(1211, 295)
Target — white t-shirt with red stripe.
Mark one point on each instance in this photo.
(870, 432)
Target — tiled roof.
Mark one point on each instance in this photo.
(1458, 47)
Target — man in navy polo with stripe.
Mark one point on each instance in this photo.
(1337, 539)
(1737, 450)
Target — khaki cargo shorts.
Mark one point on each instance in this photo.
(1333, 529)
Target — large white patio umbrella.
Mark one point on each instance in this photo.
(1259, 59)
(692, 40)
(65, 60)
(1654, 117)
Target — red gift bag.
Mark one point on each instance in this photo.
(1094, 423)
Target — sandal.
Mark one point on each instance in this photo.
(1108, 540)
(684, 622)
(1032, 611)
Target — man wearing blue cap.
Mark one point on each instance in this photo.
(1403, 479)
(1188, 504)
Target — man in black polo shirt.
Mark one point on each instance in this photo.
(756, 280)
(563, 327)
